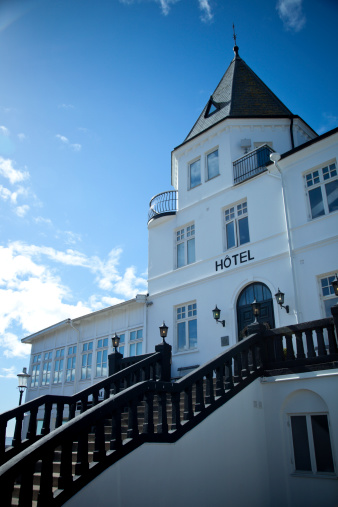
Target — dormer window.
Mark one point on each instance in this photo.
(212, 107)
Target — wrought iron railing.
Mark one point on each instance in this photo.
(152, 412)
(163, 204)
(252, 163)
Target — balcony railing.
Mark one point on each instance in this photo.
(162, 205)
(252, 163)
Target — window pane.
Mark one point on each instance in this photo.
(328, 303)
(121, 350)
(243, 230)
(191, 250)
(192, 325)
(322, 444)
(181, 335)
(195, 173)
(316, 202)
(139, 348)
(180, 255)
(212, 162)
(132, 350)
(332, 195)
(300, 443)
(230, 234)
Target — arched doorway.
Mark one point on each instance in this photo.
(262, 294)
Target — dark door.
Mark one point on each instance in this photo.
(262, 294)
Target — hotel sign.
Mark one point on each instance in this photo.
(234, 260)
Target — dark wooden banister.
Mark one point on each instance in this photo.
(291, 348)
(150, 367)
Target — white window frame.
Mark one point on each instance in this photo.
(184, 237)
(210, 152)
(36, 367)
(311, 446)
(234, 214)
(327, 292)
(319, 177)
(185, 313)
(190, 164)
(101, 365)
(135, 342)
(58, 365)
(122, 345)
(86, 361)
(46, 368)
(71, 363)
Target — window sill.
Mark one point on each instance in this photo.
(185, 352)
(309, 475)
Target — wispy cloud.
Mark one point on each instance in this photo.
(166, 5)
(13, 175)
(22, 136)
(4, 130)
(291, 13)
(329, 122)
(22, 210)
(64, 140)
(11, 371)
(65, 106)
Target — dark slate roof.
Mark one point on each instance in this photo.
(240, 94)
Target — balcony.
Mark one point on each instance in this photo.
(162, 205)
(251, 164)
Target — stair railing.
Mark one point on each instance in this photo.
(153, 367)
(161, 418)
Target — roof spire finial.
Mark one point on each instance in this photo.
(235, 37)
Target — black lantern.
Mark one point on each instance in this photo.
(116, 341)
(334, 284)
(256, 309)
(216, 313)
(280, 300)
(163, 331)
(22, 382)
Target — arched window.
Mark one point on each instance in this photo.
(262, 294)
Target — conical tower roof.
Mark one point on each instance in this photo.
(240, 94)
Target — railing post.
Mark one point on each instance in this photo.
(175, 404)
(148, 425)
(162, 425)
(165, 349)
(114, 363)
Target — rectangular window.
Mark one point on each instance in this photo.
(71, 364)
(328, 295)
(46, 368)
(236, 225)
(322, 187)
(195, 174)
(212, 165)
(86, 363)
(135, 342)
(186, 322)
(102, 357)
(122, 343)
(58, 366)
(185, 246)
(311, 444)
(35, 370)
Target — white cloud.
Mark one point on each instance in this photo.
(290, 12)
(42, 220)
(206, 10)
(329, 122)
(65, 140)
(10, 372)
(13, 175)
(22, 210)
(65, 106)
(4, 130)
(22, 136)
(33, 296)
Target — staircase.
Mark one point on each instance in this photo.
(55, 467)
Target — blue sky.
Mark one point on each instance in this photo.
(94, 95)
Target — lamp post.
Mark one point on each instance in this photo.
(216, 313)
(334, 284)
(256, 309)
(280, 300)
(116, 341)
(22, 382)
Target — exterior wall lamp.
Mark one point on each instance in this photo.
(280, 300)
(256, 310)
(216, 313)
(334, 284)
(163, 331)
(116, 341)
(22, 382)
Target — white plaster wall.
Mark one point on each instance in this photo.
(238, 456)
(221, 462)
